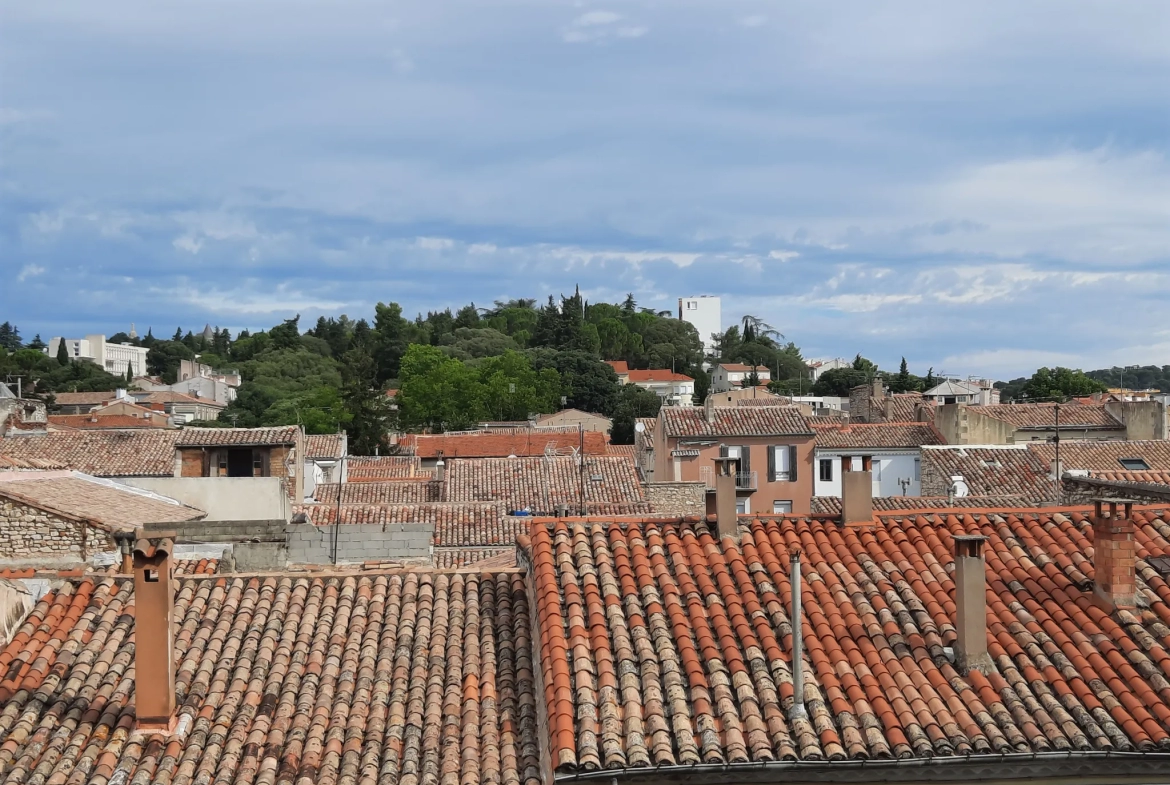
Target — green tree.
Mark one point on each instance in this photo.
(393, 334)
(1059, 383)
(163, 359)
(62, 352)
(129, 373)
(10, 337)
(839, 381)
(437, 391)
(512, 389)
(36, 343)
(370, 414)
(287, 334)
(587, 383)
(867, 367)
(632, 402)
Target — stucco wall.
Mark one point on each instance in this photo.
(224, 498)
(28, 534)
(1143, 419)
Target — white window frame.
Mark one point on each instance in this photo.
(783, 468)
(743, 505)
(821, 469)
(781, 507)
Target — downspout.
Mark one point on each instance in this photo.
(798, 710)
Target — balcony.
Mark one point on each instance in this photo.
(744, 481)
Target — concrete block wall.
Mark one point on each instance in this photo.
(359, 542)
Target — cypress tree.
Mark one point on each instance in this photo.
(129, 372)
(62, 352)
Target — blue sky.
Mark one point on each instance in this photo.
(981, 187)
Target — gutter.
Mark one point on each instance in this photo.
(1067, 766)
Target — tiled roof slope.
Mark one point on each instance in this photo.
(1103, 456)
(29, 464)
(393, 492)
(989, 471)
(542, 484)
(831, 505)
(459, 525)
(875, 435)
(102, 503)
(904, 407)
(1041, 415)
(83, 398)
(479, 558)
(372, 468)
(1150, 477)
(246, 437)
(406, 677)
(734, 421)
(626, 450)
(661, 646)
(143, 452)
(323, 445)
(494, 444)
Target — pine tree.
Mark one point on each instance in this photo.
(9, 337)
(178, 336)
(62, 352)
(929, 383)
(37, 343)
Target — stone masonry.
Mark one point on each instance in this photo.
(677, 498)
(29, 533)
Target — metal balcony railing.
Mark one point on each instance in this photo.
(744, 481)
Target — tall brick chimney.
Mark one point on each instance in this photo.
(971, 604)
(1114, 554)
(726, 520)
(154, 638)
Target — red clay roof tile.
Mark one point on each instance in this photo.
(734, 421)
(496, 444)
(875, 435)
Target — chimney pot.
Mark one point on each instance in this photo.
(1114, 555)
(154, 639)
(971, 604)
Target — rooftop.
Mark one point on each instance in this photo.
(656, 375)
(494, 444)
(142, 452)
(324, 445)
(389, 492)
(238, 437)
(606, 483)
(105, 504)
(896, 435)
(369, 468)
(1042, 416)
(734, 421)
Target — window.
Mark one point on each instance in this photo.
(826, 470)
(781, 507)
(1134, 464)
(741, 506)
(917, 470)
(782, 461)
(692, 305)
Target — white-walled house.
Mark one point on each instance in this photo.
(893, 450)
(112, 357)
(728, 376)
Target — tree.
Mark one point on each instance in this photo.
(10, 337)
(437, 391)
(178, 336)
(867, 367)
(1059, 383)
(839, 381)
(62, 352)
(393, 335)
(632, 402)
(164, 357)
(287, 334)
(37, 343)
(129, 373)
(365, 399)
(587, 383)
(929, 383)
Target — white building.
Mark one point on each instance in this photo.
(728, 376)
(113, 357)
(817, 367)
(706, 314)
(824, 404)
(896, 472)
(197, 380)
(976, 393)
(674, 389)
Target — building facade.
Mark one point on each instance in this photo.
(728, 376)
(706, 314)
(112, 357)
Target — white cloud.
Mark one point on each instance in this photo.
(595, 18)
(755, 20)
(188, 243)
(783, 256)
(632, 32)
(247, 301)
(599, 26)
(434, 243)
(30, 271)
(400, 61)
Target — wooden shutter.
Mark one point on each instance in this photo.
(771, 463)
(792, 463)
(745, 458)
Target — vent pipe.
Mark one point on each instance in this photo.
(798, 711)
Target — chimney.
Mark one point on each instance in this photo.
(440, 468)
(154, 638)
(888, 408)
(879, 390)
(709, 408)
(971, 604)
(856, 493)
(1114, 554)
(726, 522)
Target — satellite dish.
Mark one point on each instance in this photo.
(640, 427)
(959, 487)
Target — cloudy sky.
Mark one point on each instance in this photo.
(981, 187)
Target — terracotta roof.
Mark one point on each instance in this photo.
(479, 558)
(90, 422)
(988, 471)
(195, 566)
(620, 367)
(743, 368)
(1150, 477)
(109, 506)
(651, 423)
(1042, 415)
(143, 452)
(657, 375)
(168, 396)
(626, 450)
(393, 492)
(83, 398)
(324, 445)
(831, 505)
(734, 421)
(771, 400)
(661, 646)
(875, 435)
(542, 484)
(29, 464)
(456, 524)
(495, 444)
(257, 437)
(371, 468)
(903, 407)
(390, 677)
(830, 419)
(1103, 455)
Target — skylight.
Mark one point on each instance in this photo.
(1134, 464)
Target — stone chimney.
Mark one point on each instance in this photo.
(888, 409)
(440, 468)
(154, 633)
(971, 604)
(1114, 554)
(856, 493)
(709, 408)
(726, 520)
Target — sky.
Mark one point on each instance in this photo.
(982, 188)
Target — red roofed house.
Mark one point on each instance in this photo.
(774, 445)
(893, 450)
(429, 447)
(728, 376)
(674, 389)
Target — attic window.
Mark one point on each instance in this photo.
(1134, 464)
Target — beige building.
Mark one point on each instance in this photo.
(570, 417)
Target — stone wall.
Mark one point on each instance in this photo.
(30, 534)
(677, 498)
